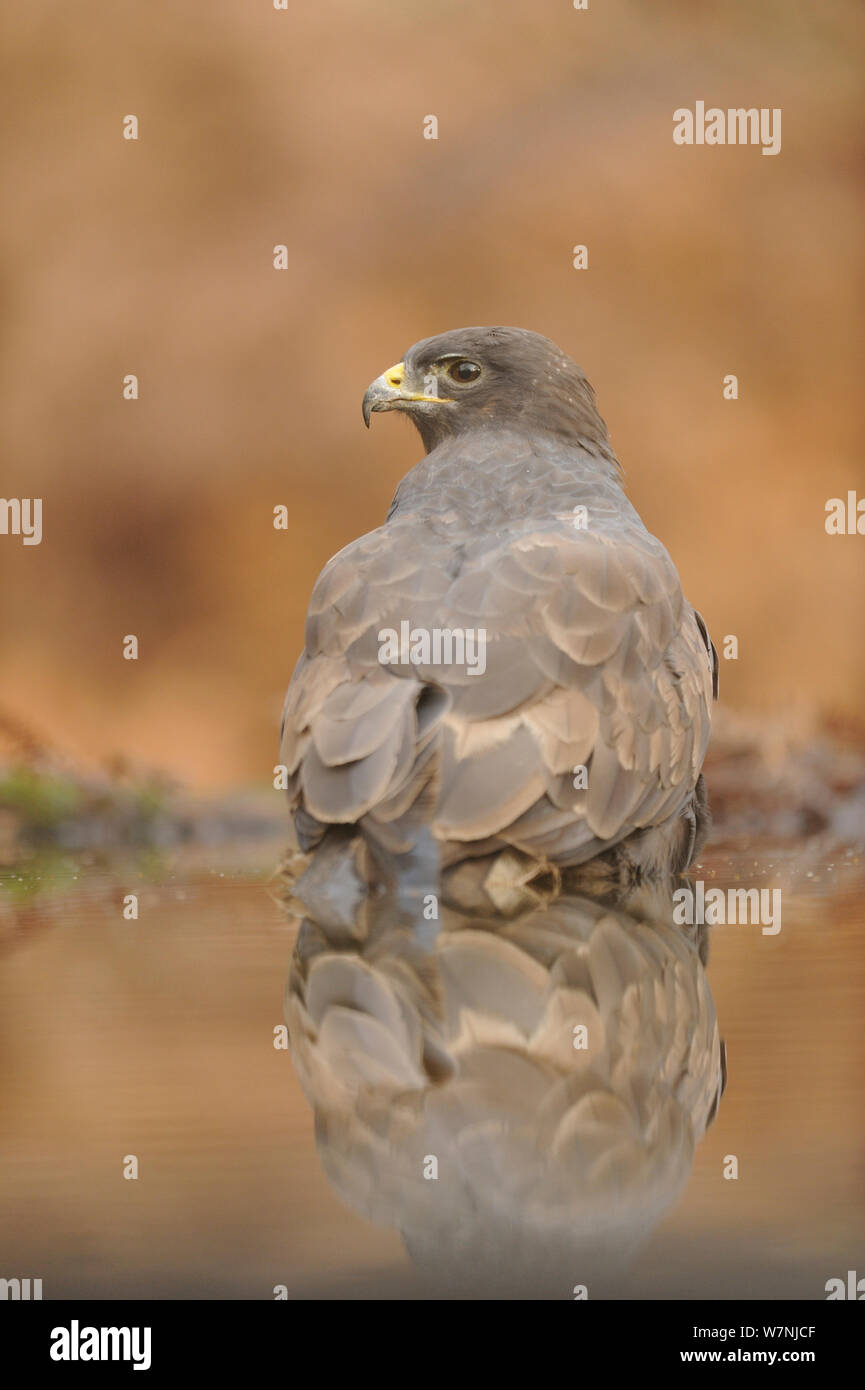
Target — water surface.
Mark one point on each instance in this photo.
(155, 1038)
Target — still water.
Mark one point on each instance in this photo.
(558, 1164)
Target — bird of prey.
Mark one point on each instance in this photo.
(508, 661)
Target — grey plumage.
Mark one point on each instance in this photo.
(593, 656)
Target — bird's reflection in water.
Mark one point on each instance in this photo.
(512, 1072)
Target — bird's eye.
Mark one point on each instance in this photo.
(464, 371)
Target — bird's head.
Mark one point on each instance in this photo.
(501, 377)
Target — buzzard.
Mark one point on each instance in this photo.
(508, 661)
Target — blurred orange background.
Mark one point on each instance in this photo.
(305, 127)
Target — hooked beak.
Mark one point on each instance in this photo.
(389, 392)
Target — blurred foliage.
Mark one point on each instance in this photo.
(39, 801)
